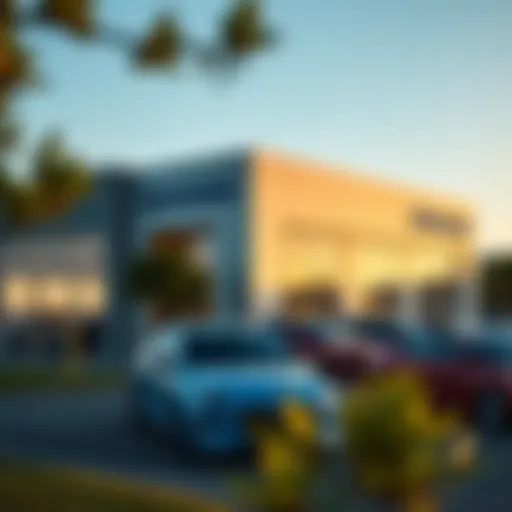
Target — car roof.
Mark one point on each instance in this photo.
(213, 327)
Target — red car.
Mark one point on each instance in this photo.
(336, 347)
(474, 378)
(471, 376)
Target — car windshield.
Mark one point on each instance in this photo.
(233, 347)
(336, 333)
(328, 332)
(382, 331)
(489, 352)
(501, 334)
(416, 342)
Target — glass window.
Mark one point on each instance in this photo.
(327, 332)
(233, 347)
(382, 331)
(487, 353)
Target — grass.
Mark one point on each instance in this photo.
(37, 489)
(30, 379)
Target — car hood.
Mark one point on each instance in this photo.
(255, 382)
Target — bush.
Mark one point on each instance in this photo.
(286, 462)
(400, 448)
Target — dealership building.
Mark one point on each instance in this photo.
(278, 234)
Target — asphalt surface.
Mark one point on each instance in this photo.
(92, 431)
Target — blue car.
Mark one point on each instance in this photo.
(203, 386)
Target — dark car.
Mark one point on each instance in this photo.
(469, 375)
(472, 377)
(335, 346)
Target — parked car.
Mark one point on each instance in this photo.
(205, 385)
(473, 377)
(400, 344)
(501, 331)
(469, 375)
(337, 347)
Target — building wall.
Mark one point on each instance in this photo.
(312, 223)
(207, 195)
(91, 241)
(125, 210)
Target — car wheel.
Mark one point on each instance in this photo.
(491, 412)
(180, 436)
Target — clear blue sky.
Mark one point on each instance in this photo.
(413, 90)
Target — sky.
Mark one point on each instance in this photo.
(416, 91)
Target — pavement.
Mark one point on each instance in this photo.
(91, 431)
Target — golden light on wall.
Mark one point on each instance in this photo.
(54, 294)
(16, 294)
(89, 296)
(430, 266)
(377, 266)
(24, 295)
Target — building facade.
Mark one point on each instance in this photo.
(274, 231)
(371, 241)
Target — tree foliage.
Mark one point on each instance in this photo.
(399, 444)
(497, 286)
(59, 181)
(74, 16)
(244, 28)
(58, 178)
(287, 460)
(170, 284)
(162, 46)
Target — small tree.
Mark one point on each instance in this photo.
(57, 181)
(60, 181)
(170, 286)
(497, 286)
(400, 448)
(287, 462)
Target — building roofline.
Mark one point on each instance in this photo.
(252, 152)
(366, 174)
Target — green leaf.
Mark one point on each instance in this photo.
(244, 29)
(75, 16)
(7, 11)
(9, 134)
(16, 66)
(21, 205)
(170, 282)
(62, 179)
(162, 46)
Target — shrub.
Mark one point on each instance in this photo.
(286, 462)
(400, 448)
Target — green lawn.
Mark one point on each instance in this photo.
(26, 379)
(34, 489)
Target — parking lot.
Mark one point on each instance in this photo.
(91, 431)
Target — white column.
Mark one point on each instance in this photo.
(266, 307)
(409, 306)
(468, 305)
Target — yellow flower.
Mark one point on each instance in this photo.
(276, 456)
(418, 413)
(299, 422)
